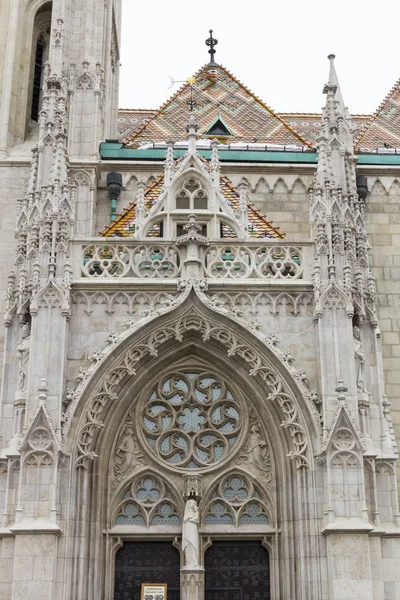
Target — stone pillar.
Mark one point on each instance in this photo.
(192, 583)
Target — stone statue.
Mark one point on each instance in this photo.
(256, 451)
(359, 358)
(190, 534)
(126, 452)
(23, 355)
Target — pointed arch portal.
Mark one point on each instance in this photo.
(191, 393)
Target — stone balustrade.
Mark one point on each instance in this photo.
(224, 260)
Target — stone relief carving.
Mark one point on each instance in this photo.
(135, 304)
(236, 345)
(343, 420)
(40, 445)
(359, 358)
(256, 453)
(127, 454)
(192, 486)
(249, 305)
(23, 348)
(190, 534)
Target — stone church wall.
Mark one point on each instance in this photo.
(283, 198)
(384, 237)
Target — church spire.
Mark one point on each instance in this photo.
(333, 80)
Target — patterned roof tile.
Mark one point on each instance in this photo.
(308, 125)
(217, 92)
(383, 129)
(129, 121)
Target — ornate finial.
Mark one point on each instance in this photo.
(212, 42)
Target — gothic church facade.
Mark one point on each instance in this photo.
(200, 350)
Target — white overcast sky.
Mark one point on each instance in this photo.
(278, 48)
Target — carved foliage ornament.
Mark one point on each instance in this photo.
(108, 389)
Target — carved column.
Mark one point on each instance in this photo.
(192, 583)
(192, 576)
(192, 239)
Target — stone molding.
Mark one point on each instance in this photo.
(193, 319)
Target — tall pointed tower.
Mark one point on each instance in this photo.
(59, 78)
(80, 42)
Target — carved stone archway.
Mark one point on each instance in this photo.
(193, 328)
(100, 386)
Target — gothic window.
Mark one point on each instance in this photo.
(40, 52)
(146, 503)
(191, 196)
(191, 420)
(236, 501)
(37, 80)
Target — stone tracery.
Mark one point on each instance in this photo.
(236, 345)
(148, 501)
(191, 420)
(236, 500)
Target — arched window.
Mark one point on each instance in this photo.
(40, 54)
(191, 196)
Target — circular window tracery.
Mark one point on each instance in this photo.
(191, 420)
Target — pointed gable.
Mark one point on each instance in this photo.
(218, 93)
(124, 224)
(383, 129)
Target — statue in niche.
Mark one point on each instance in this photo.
(127, 454)
(359, 358)
(23, 355)
(190, 534)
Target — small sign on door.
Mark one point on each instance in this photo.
(154, 591)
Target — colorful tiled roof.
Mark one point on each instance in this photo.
(124, 224)
(129, 121)
(308, 125)
(383, 129)
(217, 92)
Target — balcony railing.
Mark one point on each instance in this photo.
(226, 260)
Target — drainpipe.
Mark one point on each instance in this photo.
(114, 186)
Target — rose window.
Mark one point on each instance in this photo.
(191, 420)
